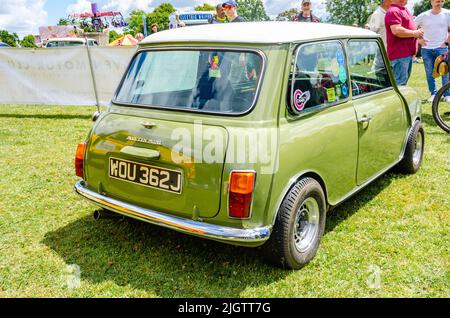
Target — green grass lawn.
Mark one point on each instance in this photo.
(399, 225)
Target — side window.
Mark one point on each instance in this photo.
(320, 76)
(367, 69)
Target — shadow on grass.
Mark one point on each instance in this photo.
(428, 119)
(359, 200)
(170, 264)
(159, 261)
(53, 116)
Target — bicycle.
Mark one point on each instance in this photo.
(440, 108)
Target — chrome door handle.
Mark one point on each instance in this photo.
(141, 152)
(365, 119)
(149, 125)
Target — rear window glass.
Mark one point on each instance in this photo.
(199, 80)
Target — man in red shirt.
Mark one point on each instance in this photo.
(402, 35)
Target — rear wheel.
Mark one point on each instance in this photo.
(299, 226)
(412, 159)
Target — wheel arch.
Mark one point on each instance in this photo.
(305, 174)
(415, 119)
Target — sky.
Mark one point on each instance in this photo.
(26, 16)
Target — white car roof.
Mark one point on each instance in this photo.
(257, 32)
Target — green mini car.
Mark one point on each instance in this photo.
(248, 133)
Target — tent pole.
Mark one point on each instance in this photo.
(94, 83)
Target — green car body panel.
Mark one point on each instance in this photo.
(330, 145)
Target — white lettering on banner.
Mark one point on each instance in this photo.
(61, 76)
(107, 65)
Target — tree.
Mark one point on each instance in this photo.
(205, 7)
(135, 23)
(9, 38)
(252, 10)
(113, 35)
(425, 5)
(28, 41)
(288, 14)
(160, 16)
(351, 12)
(64, 21)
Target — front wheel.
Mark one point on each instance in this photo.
(299, 225)
(441, 108)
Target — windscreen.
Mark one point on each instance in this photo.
(64, 43)
(198, 80)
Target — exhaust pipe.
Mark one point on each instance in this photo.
(103, 214)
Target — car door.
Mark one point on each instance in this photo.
(379, 109)
(319, 132)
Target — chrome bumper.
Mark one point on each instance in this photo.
(210, 231)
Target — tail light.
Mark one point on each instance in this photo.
(241, 192)
(79, 160)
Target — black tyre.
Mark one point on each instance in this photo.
(299, 225)
(441, 108)
(412, 159)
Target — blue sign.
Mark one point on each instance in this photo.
(342, 74)
(195, 16)
(344, 90)
(340, 58)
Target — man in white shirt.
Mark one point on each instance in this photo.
(435, 24)
(376, 24)
(376, 20)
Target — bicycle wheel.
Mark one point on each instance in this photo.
(441, 108)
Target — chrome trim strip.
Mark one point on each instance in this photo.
(210, 231)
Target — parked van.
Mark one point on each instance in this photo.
(63, 42)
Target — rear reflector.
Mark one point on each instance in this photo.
(240, 196)
(79, 160)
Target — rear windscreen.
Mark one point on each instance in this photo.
(209, 81)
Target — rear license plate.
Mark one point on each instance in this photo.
(146, 175)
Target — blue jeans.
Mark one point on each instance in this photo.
(429, 56)
(402, 69)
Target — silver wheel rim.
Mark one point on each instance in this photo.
(418, 149)
(306, 225)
